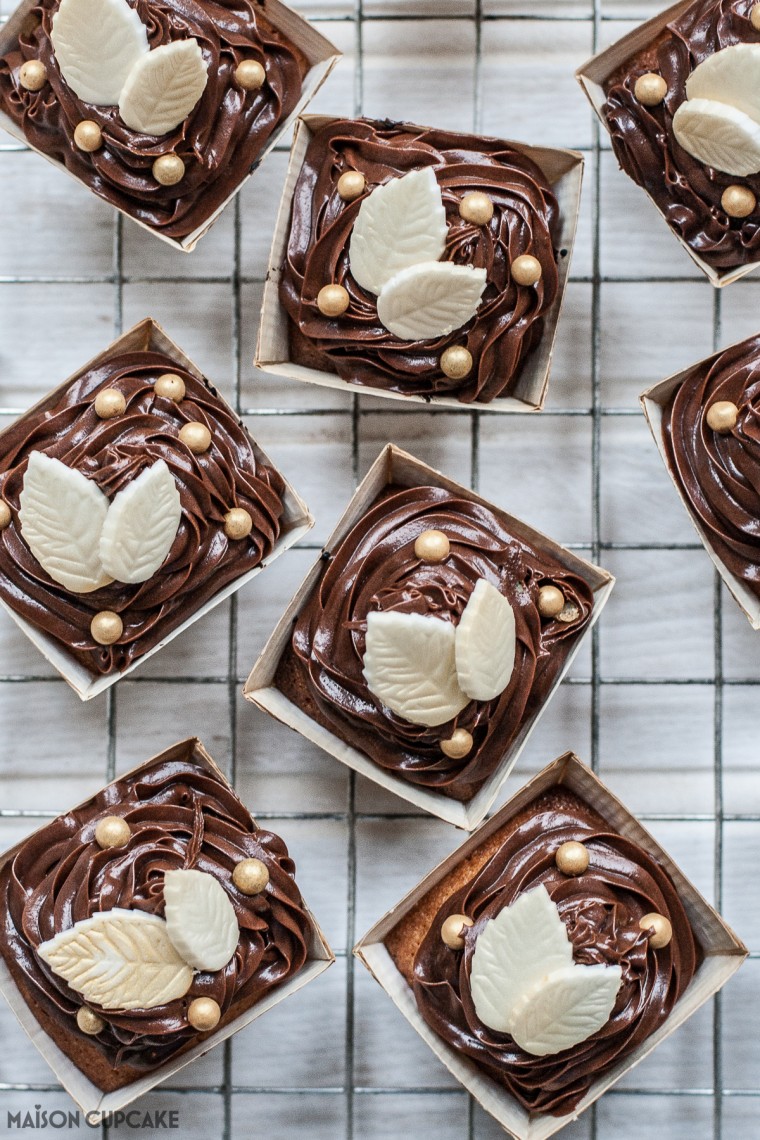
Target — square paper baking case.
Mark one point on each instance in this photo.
(724, 953)
(564, 171)
(396, 466)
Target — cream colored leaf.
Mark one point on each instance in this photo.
(61, 513)
(163, 87)
(96, 44)
(718, 135)
(485, 643)
(431, 299)
(119, 959)
(200, 919)
(141, 525)
(399, 224)
(731, 76)
(515, 951)
(409, 666)
(569, 1006)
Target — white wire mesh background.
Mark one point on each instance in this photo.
(661, 702)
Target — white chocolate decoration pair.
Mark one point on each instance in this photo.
(719, 122)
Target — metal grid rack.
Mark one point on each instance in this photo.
(705, 1097)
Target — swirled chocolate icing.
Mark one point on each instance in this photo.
(113, 452)
(600, 909)
(375, 568)
(181, 815)
(719, 475)
(509, 320)
(220, 139)
(687, 191)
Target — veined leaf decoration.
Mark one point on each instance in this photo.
(485, 643)
(718, 135)
(431, 299)
(62, 513)
(163, 87)
(399, 224)
(119, 959)
(731, 76)
(568, 1007)
(96, 44)
(200, 919)
(141, 525)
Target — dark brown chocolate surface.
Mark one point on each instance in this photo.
(509, 322)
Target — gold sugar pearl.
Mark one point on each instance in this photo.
(662, 931)
(196, 436)
(250, 876)
(88, 136)
(237, 523)
(526, 269)
(106, 627)
(204, 1013)
(5, 514)
(109, 403)
(650, 89)
(112, 831)
(477, 208)
(351, 185)
(452, 930)
(332, 300)
(458, 745)
(432, 546)
(168, 169)
(250, 75)
(33, 75)
(755, 17)
(456, 362)
(551, 601)
(89, 1021)
(170, 386)
(738, 201)
(571, 858)
(722, 416)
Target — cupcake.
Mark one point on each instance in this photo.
(131, 500)
(143, 925)
(420, 263)
(158, 107)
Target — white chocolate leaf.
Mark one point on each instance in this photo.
(96, 44)
(119, 959)
(399, 224)
(200, 919)
(430, 299)
(731, 76)
(409, 665)
(485, 643)
(515, 951)
(61, 513)
(566, 1008)
(163, 87)
(141, 525)
(718, 135)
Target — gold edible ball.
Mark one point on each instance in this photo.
(109, 402)
(476, 208)
(170, 386)
(452, 930)
(250, 74)
(196, 436)
(32, 75)
(650, 89)
(662, 931)
(526, 269)
(351, 184)
(5, 514)
(755, 17)
(88, 136)
(89, 1021)
(571, 858)
(456, 362)
(432, 546)
(250, 876)
(237, 523)
(203, 1014)
(168, 169)
(550, 601)
(722, 416)
(112, 831)
(458, 745)
(332, 300)
(738, 201)
(106, 627)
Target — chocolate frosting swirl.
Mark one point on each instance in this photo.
(113, 452)
(375, 568)
(720, 474)
(601, 911)
(181, 816)
(509, 321)
(220, 139)
(687, 191)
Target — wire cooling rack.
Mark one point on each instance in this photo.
(662, 705)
